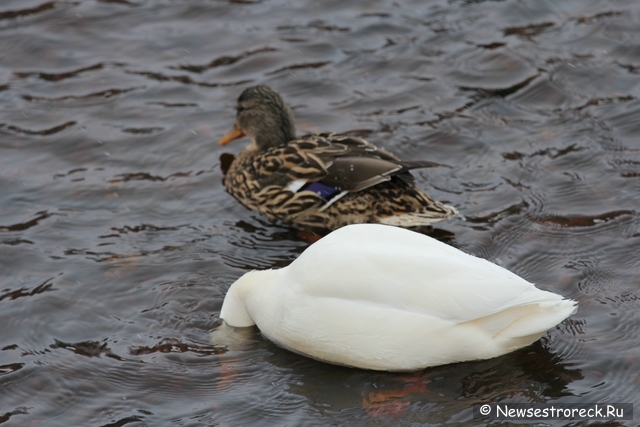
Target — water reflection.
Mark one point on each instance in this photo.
(532, 374)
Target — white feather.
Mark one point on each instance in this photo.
(385, 298)
(296, 185)
(333, 200)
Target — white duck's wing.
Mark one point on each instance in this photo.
(394, 268)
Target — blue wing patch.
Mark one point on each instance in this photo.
(322, 190)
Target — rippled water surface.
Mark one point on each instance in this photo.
(118, 241)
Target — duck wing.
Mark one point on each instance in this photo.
(374, 265)
(340, 162)
(351, 173)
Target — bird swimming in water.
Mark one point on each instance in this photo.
(379, 297)
(320, 181)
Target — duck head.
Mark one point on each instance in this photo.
(263, 116)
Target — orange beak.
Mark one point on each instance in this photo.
(234, 133)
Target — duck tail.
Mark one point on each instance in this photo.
(434, 212)
(521, 325)
(540, 317)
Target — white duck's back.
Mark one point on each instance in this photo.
(381, 297)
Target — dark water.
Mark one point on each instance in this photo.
(118, 241)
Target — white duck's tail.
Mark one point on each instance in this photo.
(541, 317)
(521, 325)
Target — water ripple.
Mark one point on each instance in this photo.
(46, 286)
(107, 93)
(224, 60)
(528, 31)
(44, 132)
(161, 77)
(582, 221)
(56, 77)
(44, 7)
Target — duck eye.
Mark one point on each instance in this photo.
(240, 108)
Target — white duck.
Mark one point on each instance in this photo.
(385, 298)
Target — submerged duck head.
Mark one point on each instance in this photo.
(263, 116)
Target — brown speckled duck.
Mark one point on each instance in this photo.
(320, 181)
